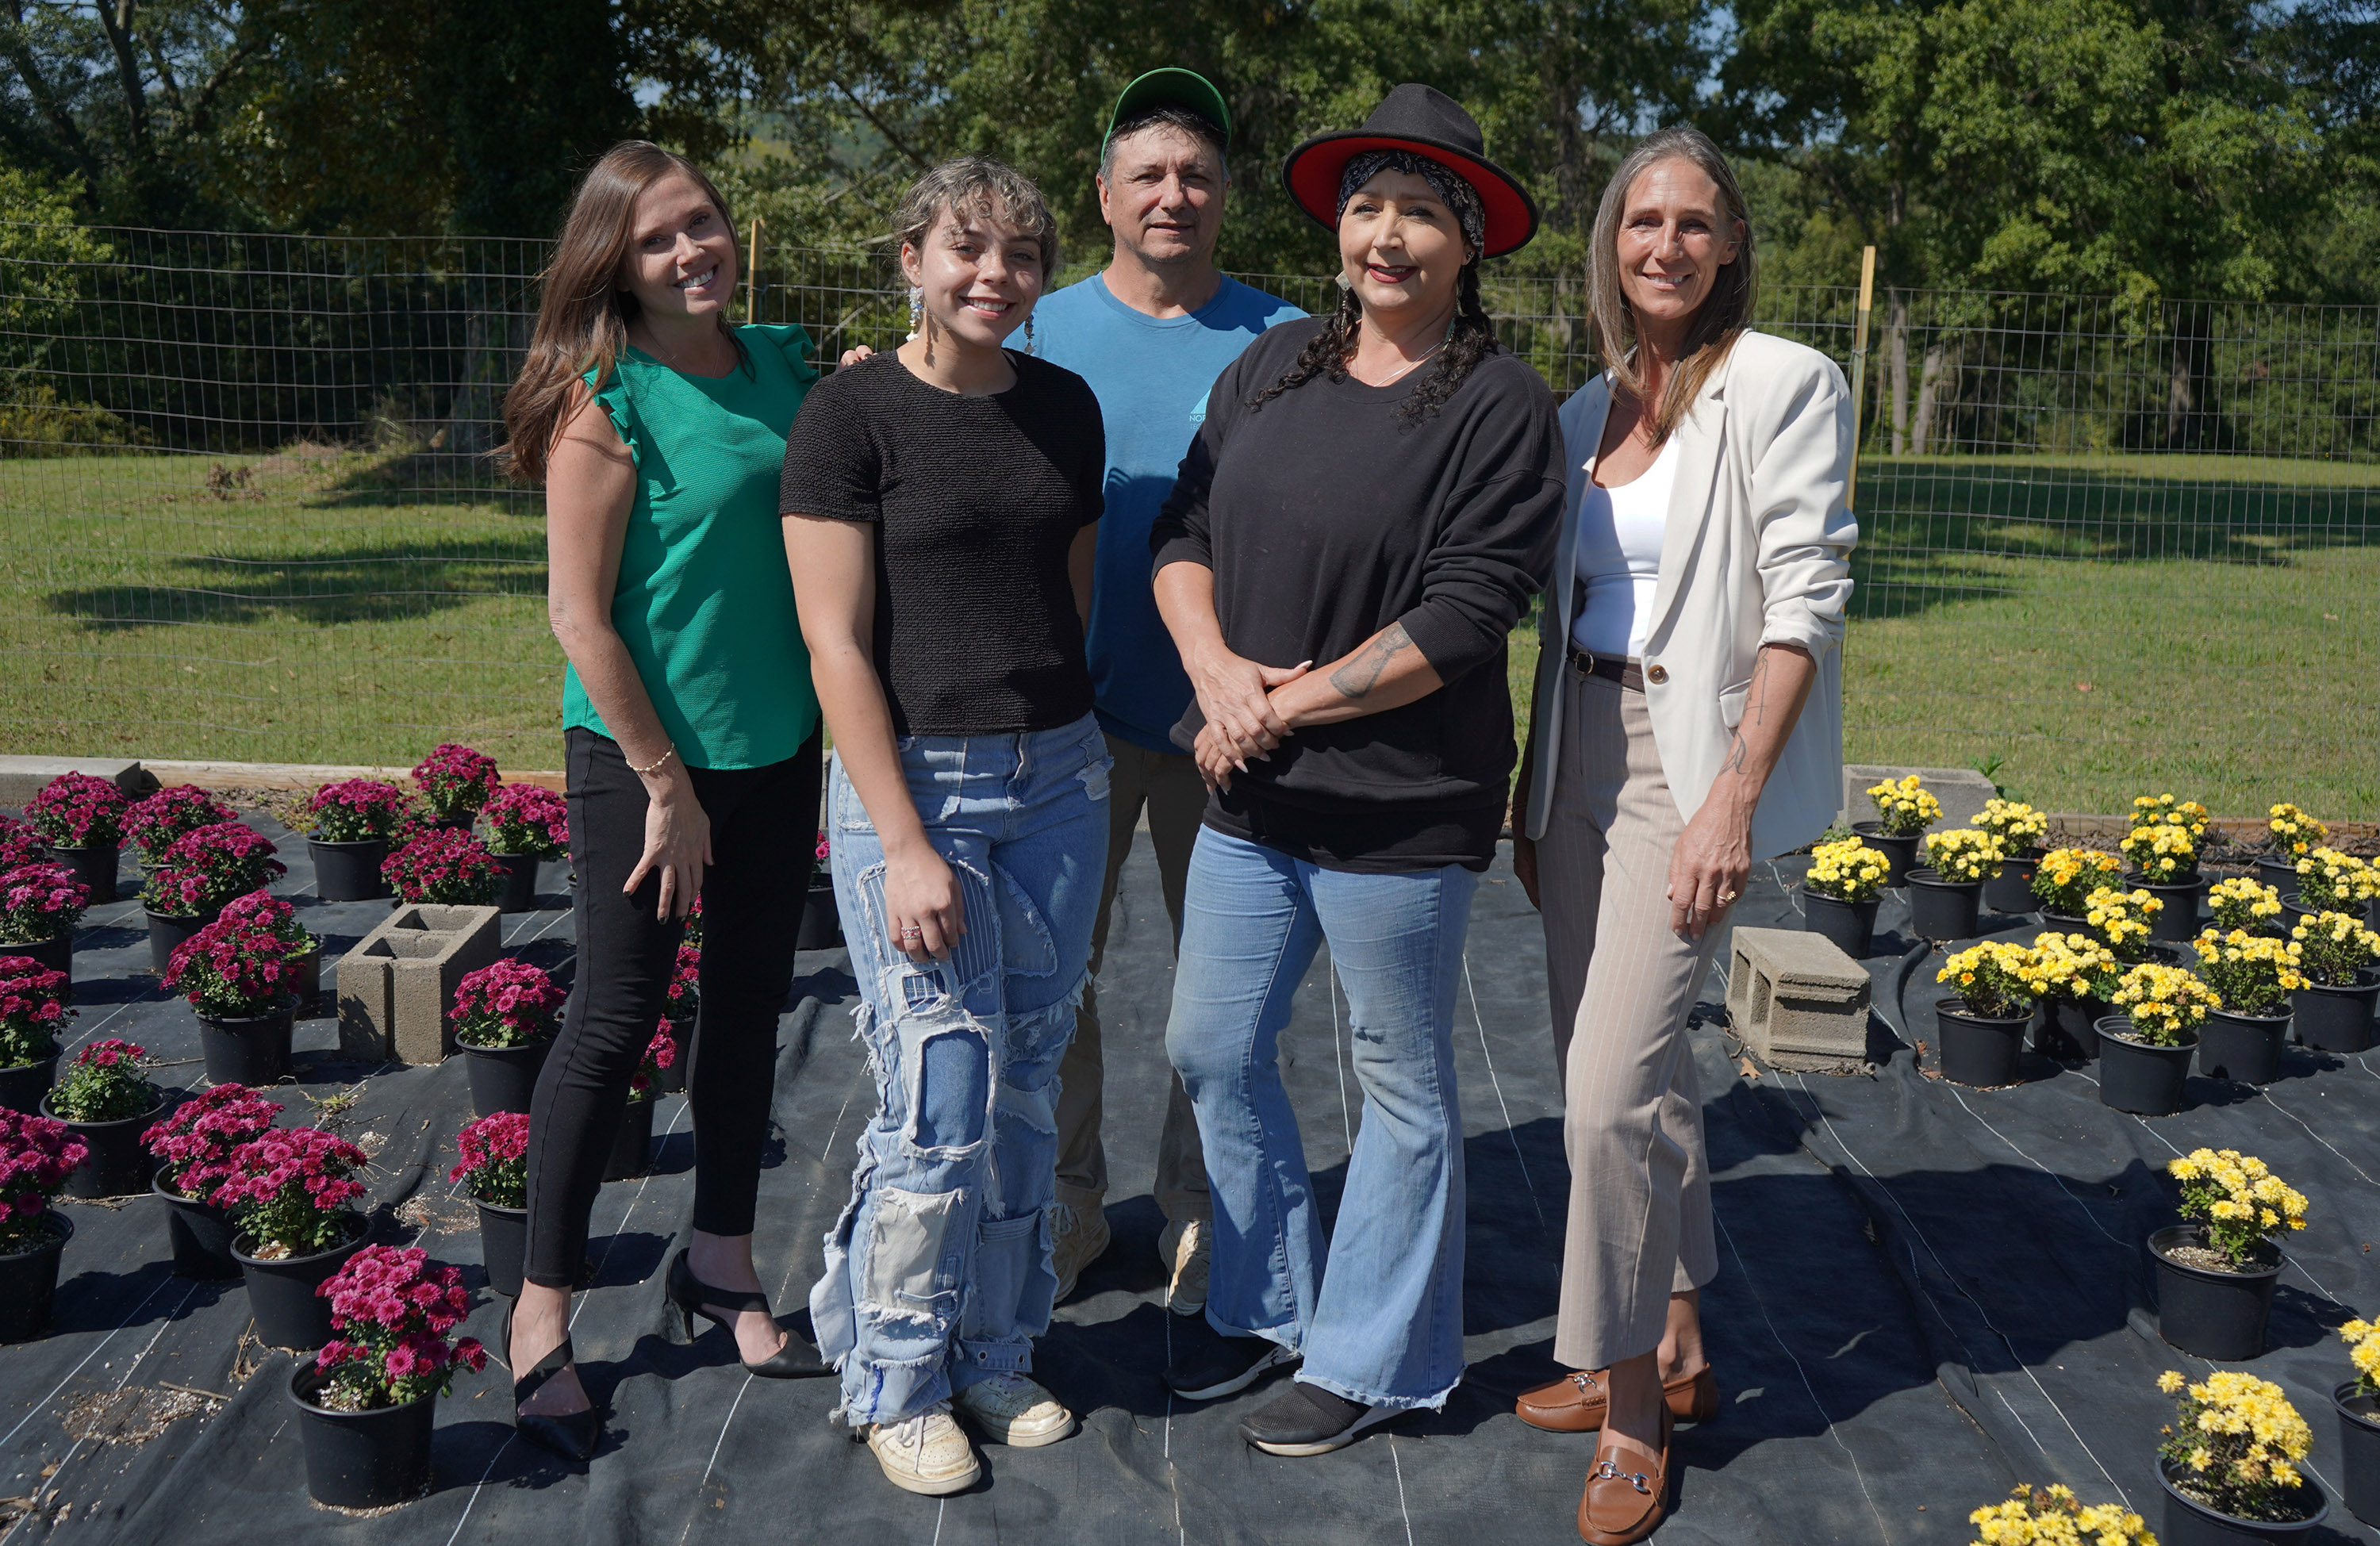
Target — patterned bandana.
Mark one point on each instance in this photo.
(1448, 184)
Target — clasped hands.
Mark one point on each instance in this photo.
(1243, 722)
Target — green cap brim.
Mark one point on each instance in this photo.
(1176, 86)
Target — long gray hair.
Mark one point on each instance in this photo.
(1725, 312)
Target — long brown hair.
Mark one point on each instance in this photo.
(1725, 312)
(583, 314)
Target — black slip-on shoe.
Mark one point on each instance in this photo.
(1307, 1420)
(1208, 1364)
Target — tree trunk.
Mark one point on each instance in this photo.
(1938, 388)
(1896, 362)
(2190, 389)
(494, 346)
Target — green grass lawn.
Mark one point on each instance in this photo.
(2105, 625)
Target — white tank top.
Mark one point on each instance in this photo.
(1619, 557)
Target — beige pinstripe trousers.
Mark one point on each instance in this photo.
(1621, 985)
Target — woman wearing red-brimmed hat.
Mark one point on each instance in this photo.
(1371, 500)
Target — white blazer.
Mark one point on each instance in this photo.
(1757, 552)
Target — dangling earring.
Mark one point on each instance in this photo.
(1345, 282)
(916, 309)
(1028, 333)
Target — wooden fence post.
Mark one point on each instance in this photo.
(1858, 369)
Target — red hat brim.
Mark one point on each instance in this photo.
(1312, 171)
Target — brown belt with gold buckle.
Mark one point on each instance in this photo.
(1612, 668)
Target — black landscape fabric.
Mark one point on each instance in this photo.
(1927, 1294)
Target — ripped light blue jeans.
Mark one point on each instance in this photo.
(938, 1271)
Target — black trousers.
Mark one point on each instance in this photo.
(763, 832)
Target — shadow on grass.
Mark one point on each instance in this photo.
(383, 583)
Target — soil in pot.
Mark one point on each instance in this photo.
(2137, 1077)
(518, 891)
(1979, 1050)
(281, 1290)
(2178, 919)
(2244, 1048)
(2010, 891)
(1852, 926)
(118, 1165)
(1940, 909)
(56, 952)
(199, 1233)
(503, 1078)
(1899, 853)
(367, 1459)
(2359, 1452)
(168, 930)
(252, 1051)
(2337, 1019)
(22, 1085)
(504, 1243)
(2205, 1307)
(96, 867)
(29, 1281)
(348, 871)
(631, 1148)
(2189, 1522)
(821, 925)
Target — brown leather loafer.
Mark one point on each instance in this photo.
(1627, 1489)
(1574, 1403)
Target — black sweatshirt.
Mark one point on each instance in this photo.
(1326, 516)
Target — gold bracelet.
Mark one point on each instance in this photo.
(655, 766)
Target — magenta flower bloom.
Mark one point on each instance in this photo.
(525, 819)
(456, 780)
(206, 869)
(75, 810)
(40, 901)
(444, 865)
(37, 1155)
(393, 1310)
(153, 824)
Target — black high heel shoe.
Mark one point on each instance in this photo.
(573, 1435)
(797, 1360)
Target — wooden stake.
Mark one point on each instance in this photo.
(752, 276)
(1859, 368)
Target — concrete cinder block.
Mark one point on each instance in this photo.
(1797, 1000)
(395, 986)
(22, 777)
(1963, 792)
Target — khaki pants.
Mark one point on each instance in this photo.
(1169, 785)
(1621, 986)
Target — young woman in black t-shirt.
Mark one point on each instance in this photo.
(941, 505)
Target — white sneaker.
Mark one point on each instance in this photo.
(1188, 1251)
(927, 1453)
(1078, 1237)
(1012, 1409)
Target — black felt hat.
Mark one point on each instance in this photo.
(1428, 122)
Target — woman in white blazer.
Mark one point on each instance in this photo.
(1688, 722)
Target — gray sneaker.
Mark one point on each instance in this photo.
(1187, 1247)
(1078, 1237)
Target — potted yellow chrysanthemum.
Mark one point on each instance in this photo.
(2295, 835)
(1904, 809)
(2019, 829)
(2125, 920)
(2214, 1275)
(2230, 1462)
(2144, 1046)
(2063, 880)
(2359, 1422)
(2079, 976)
(2330, 881)
(1839, 894)
(1946, 896)
(2163, 849)
(1981, 1026)
(2055, 1516)
(2242, 903)
(2342, 961)
(2254, 975)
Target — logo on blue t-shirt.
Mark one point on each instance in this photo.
(1198, 410)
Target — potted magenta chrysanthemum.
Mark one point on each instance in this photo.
(201, 872)
(2340, 959)
(680, 1010)
(279, 919)
(153, 824)
(242, 980)
(193, 1147)
(455, 782)
(105, 1096)
(287, 1191)
(504, 1016)
(494, 1164)
(821, 925)
(39, 905)
(2215, 1274)
(32, 1011)
(632, 1145)
(367, 1401)
(2230, 1462)
(37, 1155)
(526, 825)
(19, 844)
(81, 820)
(444, 865)
(349, 826)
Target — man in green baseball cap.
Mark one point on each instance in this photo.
(1151, 333)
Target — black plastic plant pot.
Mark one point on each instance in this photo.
(2359, 1452)
(1980, 1050)
(363, 1459)
(56, 952)
(281, 1293)
(2137, 1077)
(168, 930)
(1900, 852)
(1940, 909)
(252, 1051)
(2212, 1314)
(631, 1148)
(2337, 1019)
(2010, 891)
(673, 1079)
(199, 1233)
(309, 984)
(96, 867)
(821, 925)
(518, 891)
(2281, 875)
(29, 1280)
(2245, 1047)
(503, 1078)
(116, 1165)
(2065, 922)
(2191, 1523)
(463, 823)
(348, 871)
(2178, 919)
(22, 1085)
(1852, 926)
(2070, 1027)
(503, 1242)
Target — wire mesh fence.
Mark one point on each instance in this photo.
(2107, 547)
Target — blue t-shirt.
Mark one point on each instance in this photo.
(1152, 375)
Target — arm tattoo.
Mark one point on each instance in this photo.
(1363, 673)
